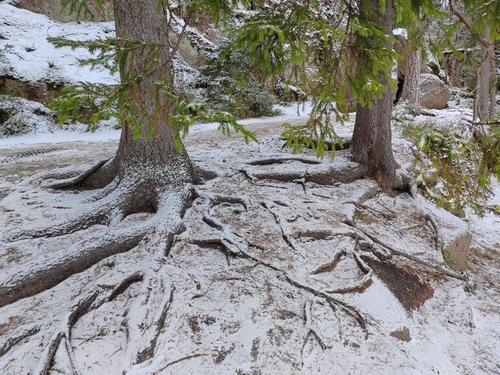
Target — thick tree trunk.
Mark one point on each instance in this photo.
(371, 140)
(410, 67)
(150, 173)
(149, 142)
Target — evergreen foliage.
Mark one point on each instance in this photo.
(232, 84)
(331, 50)
(75, 103)
(455, 172)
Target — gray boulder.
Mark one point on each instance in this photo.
(433, 92)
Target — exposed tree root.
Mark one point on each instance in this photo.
(98, 176)
(50, 353)
(432, 223)
(13, 341)
(59, 174)
(285, 237)
(149, 350)
(310, 332)
(84, 306)
(253, 180)
(124, 284)
(281, 160)
(331, 265)
(101, 212)
(235, 245)
(167, 223)
(84, 256)
(362, 284)
(436, 267)
(191, 356)
(377, 213)
(80, 309)
(321, 174)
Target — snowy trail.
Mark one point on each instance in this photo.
(292, 114)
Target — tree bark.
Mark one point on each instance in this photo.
(493, 83)
(149, 141)
(410, 67)
(485, 98)
(483, 86)
(372, 137)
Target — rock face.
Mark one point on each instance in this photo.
(433, 92)
(41, 91)
(20, 116)
(55, 9)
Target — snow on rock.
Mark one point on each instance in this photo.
(27, 55)
(21, 116)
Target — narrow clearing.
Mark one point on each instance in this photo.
(282, 264)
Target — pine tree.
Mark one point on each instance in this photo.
(350, 47)
(371, 139)
(151, 171)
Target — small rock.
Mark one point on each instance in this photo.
(402, 334)
(433, 92)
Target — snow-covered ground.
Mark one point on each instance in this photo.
(234, 315)
(295, 300)
(27, 55)
(294, 113)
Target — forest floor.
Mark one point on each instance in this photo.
(280, 274)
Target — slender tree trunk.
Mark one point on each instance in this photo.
(371, 142)
(148, 141)
(485, 99)
(493, 82)
(483, 86)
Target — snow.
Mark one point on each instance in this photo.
(400, 32)
(28, 55)
(244, 309)
(230, 314)
(291, 112)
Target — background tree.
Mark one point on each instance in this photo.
(350, 47)
(482, 18)
(408, 46)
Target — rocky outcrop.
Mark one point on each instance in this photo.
(55, 9)
(433, 92)
(21, 116)
(40, 91)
